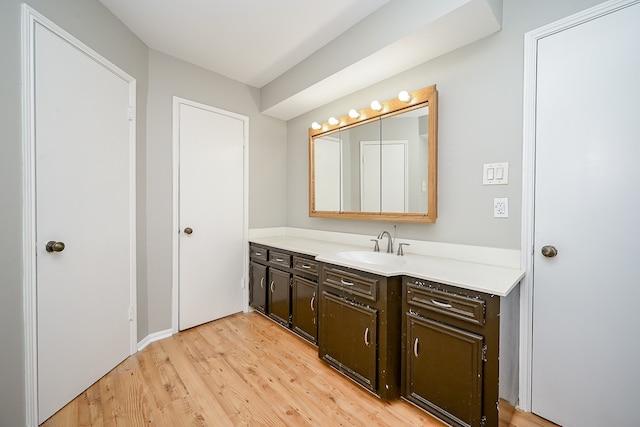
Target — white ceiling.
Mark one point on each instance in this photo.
(252, 41)
(303, 54)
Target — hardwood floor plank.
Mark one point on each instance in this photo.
(242, 370)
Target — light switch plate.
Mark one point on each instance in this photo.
(495, 173)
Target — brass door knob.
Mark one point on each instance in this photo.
(549, 251)
(53, 246)
(188, 230)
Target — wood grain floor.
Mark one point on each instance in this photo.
(243, 370)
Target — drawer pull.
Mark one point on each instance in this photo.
(415, 347)
(313, 300)
(344, 282)
(366, 336)
(441, 304)
(258, 253)
(272, 285)
(262, 282)
(279, 260)
(307, 266)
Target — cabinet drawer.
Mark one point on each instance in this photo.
(352, 283)
(305, 265)
(258, 253)
(280, 258)
(420, 298)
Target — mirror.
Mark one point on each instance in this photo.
(381, 166)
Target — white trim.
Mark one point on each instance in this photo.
(153, 337)
(29, 20)
(175, 290)
(528, 179)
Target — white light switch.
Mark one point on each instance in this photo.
(495, 173)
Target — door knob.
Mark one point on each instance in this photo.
(549, 251)
(188, 230)
(53, 246)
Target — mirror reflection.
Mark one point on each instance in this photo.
(383, 168)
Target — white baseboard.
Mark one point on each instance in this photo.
(156, 336)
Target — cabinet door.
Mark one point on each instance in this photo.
(258, 286)
(444, 372)
(304, 308)
(349, 338)
(279, 296)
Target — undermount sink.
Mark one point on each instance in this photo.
(376, 258)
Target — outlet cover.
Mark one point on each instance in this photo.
(495, 173)
(501, 207)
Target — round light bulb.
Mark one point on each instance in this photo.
(375, 105)
(353, 114)
(404, 96)
(315, 126)
(333, 121)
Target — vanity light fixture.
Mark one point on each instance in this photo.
(375, 105)
(333, 121)
(316, 126)
(353, 114)
(404, 96)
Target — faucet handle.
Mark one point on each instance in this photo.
(376, 248)
(400, 245)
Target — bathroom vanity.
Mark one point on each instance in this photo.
(423, 328)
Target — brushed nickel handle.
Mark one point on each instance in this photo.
(272, 286)
(307, 266)
(549, 251)
(344, 282)
(53, 246)
(366, 336)
(262, 282)
(441, 304)
(279, 260)
(313, 300)
(415, 347)
(258, 253)
(188, 230)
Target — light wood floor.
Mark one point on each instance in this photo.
(240, 370)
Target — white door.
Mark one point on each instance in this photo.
(586, 345)
(328, 173)
(211, 213)
(383, 182)
(84, 200)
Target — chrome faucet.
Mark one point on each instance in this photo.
(389, 241)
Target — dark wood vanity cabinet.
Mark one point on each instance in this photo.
(358, 328)
(284, 286)
(450, 352)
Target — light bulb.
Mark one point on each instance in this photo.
(333, 121)
(315, 126)
(375, 105)
(404, 96)
(353, 114)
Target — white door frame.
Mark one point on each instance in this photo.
(528, 180)
(29, 20)
(175, 292)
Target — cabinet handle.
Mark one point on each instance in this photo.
(307, 266)
(441, 304)
(415, 347)
(272, 285)
(262, 282)
(313, 300)
(279, 260)
(344, 282)
(366, 336)
(258, 253)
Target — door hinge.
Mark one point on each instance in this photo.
(483, 421)
(484, 353)
(131, 313)
(130, 113)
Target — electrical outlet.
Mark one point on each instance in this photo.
(501, 207)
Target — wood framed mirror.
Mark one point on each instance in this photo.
(380, 165)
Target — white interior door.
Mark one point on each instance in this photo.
(383, 183)
(211, 213)
(84, 199)
(585, 369)
(328, 173)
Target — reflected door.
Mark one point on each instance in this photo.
(383, 181)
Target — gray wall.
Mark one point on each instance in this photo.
(170, 77)
(480, 121)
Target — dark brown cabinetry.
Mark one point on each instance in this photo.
(450, 352)
(258, 286)
(304, 298)
(279, 293)
(358, 328)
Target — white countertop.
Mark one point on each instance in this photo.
(468, 275)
